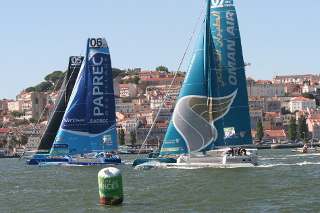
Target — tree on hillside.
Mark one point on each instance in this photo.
(43, 87)
(127, 81)
(302, 127)
(21, 122)
(292, 132)
(162, 68)
(4, 142)
(133, 137)
(259, 130)
(135, 79)
(30, 89)
(33, 120)
(54, 76)
(117, 72)
(23, 140)
(12, 143)
(17, 113)
(308, 95)
(121, 140)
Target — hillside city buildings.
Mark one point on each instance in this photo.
(138, 105)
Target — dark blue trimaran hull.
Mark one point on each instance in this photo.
(36, 161)
(43, 159)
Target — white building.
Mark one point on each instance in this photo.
(124, 107)
(130, 124)
(266, 90)
(301, 104)
(128, 90)
(15, 105)
(292, 78)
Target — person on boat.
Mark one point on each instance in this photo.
(239, 151)
(244, 151)
(231, 151)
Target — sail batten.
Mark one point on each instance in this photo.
(213, 97)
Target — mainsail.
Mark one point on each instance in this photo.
(89, 123)
(55, 119)
(212, 108)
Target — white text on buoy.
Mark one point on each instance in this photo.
(110, 186)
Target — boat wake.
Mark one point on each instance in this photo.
(290, 164)
(150, 165)
(159, 165)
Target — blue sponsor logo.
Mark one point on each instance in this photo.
(60, 145)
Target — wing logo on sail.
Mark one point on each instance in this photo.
(194, 118)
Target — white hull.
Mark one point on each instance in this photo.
(224, 161)
(208, 165)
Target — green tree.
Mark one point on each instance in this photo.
(162, 68)
(32, 120)
(12, 143)
(55, 77)
(292, 132)
(259, 130)
(135, 79)
(121, 140)
(17, 113)
(30, 89)
(116, 72)
(133, 137)
(21, 122)
(4, 142)
(307, 95)
(43, 87)
(23, 140)
(302, 127)
(127, 81)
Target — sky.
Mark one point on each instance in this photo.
(279, 37)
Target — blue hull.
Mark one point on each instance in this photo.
(36, 161)
(161, 160)
(95, 163)
(41, 164)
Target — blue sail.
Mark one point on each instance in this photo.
(212, 108)
(89, 121)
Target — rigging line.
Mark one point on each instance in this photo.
(174, 77)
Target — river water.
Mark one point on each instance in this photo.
(285, 181)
